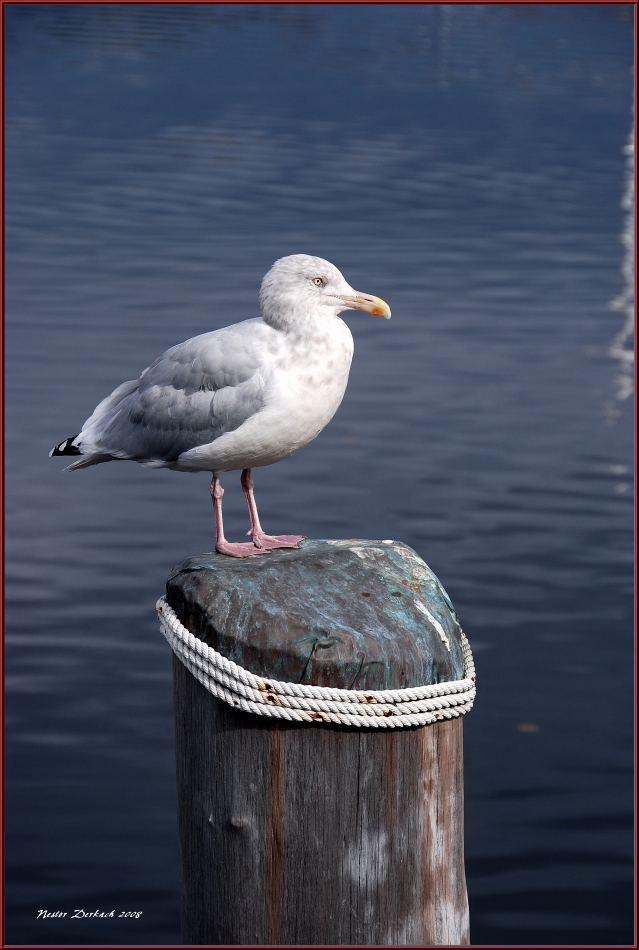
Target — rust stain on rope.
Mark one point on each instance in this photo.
(237, 686)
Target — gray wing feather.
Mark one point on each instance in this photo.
(190, 396)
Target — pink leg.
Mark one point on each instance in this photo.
(221, 544)
(260, 539)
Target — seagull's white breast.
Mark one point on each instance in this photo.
(305, 379)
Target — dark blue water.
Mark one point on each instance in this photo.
(463, 162)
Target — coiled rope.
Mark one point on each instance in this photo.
(382, 709)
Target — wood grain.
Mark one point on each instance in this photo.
(294, 834)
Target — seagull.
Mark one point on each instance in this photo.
(247, 395)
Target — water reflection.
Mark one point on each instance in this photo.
(622, 348)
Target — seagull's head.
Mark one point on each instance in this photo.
(299, 286)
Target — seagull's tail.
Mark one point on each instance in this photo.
(66, 448)
(69, 448)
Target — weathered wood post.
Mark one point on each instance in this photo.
(312, 831)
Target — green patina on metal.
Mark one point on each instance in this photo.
(350, 614)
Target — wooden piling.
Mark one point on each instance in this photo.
(318, 834)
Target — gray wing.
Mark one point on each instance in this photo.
(190, 396)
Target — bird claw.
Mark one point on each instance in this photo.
(261, 544)
(245, 549)
(268, 541)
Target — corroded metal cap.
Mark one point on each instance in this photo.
(347, 614)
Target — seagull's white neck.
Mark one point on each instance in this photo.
(303, 321)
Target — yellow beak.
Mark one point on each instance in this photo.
(374, 305)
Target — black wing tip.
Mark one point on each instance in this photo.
(65, 448)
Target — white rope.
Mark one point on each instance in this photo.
(386, 708)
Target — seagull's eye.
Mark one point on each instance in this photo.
(318, 281)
